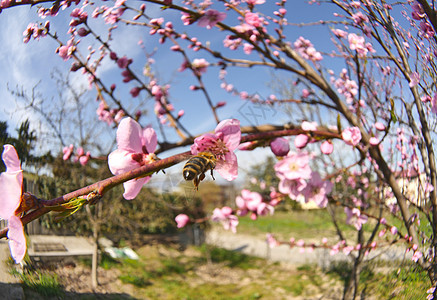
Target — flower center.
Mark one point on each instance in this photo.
(144, 159)
(220, 149)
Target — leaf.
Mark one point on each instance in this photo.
(339, 123)
(392, 111)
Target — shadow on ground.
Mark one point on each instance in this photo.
(14, 291)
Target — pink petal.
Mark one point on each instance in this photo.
(150, 140)
(231, 133)
(120, 161)
(133, 187)
(228, 169)
(17, 240)
(129, 136)
(10, 198)
(10, 158)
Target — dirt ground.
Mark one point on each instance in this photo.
(76, 279)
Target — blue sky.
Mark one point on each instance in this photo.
(26, 65)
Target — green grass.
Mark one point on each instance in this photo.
(232, 259)
(44, 283)
(207, 272)
(297, 224)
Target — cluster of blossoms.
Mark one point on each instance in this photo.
(351, 136)
(198, 65)
(419, 14)
(35, 32)
(358, 43)
(346, 86)
(135, 148)
(112, 14)
(252, 202)
(340, 246)
(109, 115)
(299, 182)
(302, 140)
(355, 217)
(80, 156)
(11, 185)
(226, 217)
(306, 49)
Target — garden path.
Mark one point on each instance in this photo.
(258, 247)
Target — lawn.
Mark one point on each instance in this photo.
(169, 272)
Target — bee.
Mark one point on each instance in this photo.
(197, 166)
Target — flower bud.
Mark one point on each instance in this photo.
(301, 141)
(182, 220)
(327, 147)
(280, 146)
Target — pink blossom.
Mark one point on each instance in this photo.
(271, 241)
(294, 166)
(327, 147)
(66, 51)
(247, 201)
(11, 183)
(211, 18)
(354, 217)
(317, 190)
(301, 141)
(199, 65)
(357, 43)
(253, 19)
(379, 126)
(252, 201)
(305, 93)
(222, 144)
(247, 48)
(182, 220)
(67, 151)
(359, 18)
(253, 2)
(427, 29)
(280, 146)
(339, 33)
(373, 141)
(282, 11)
(351, 136)
(393, 230)
(123, 62)
(434, 104)
(309, 126)
(225, 216)
(83, 160)
(416, 256)
(292, 188)
(414, 79)
(418, 11)
(135, 147)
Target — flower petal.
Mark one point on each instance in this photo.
(203, 143)
(149, 139)
(231, 133)
(10, 158)
(10, 187)
(17, 240)
(120, 161)
(129, 135)
(133, 187)
(228, 169)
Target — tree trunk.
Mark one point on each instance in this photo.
(94, 264)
